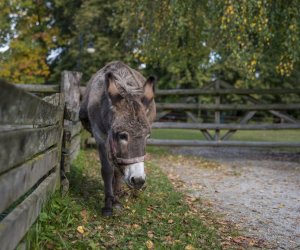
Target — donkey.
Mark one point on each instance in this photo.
(118, 109)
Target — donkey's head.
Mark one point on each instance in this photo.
(130, 127)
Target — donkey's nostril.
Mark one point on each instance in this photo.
(137, 182)
(132, 180)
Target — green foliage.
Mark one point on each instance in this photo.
(27, 27)
(187, 43)
(247, 38)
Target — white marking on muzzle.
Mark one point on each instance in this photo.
(136, 171)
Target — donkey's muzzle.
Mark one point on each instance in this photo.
(134, 175)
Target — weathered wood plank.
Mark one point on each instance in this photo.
(53, 99)
(244, 120)
(69, 154)
(15, 225)
(20, 145)
(70, 157)
(59, 170)
(217, 112)
(70, 137)
(194, 106)
(193, 92)
(72, 128)
(181, 125)
(74, 143)
(20, 108)
(37, 88)
(281, 115)
(71, 89)
(204, 91)
(75, 153)
(197, 143)
(18, 181)
(205, 132)
(13, 127)
(193, 143)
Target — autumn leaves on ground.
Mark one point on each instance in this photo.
(157, 218)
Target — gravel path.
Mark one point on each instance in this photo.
(258, 190)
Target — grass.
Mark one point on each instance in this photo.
(159, 218)
(242, 135)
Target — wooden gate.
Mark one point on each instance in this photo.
(221, 89)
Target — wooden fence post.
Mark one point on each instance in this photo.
(217, 112)
(70, 86)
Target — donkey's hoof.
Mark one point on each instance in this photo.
(117, 206)
(107, 212)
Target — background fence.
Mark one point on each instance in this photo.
(39, 137)
(218, 133)
(251, 101)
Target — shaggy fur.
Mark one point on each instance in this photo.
(118, 100)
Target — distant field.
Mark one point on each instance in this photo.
(245, 135)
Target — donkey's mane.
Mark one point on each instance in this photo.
(127, 81)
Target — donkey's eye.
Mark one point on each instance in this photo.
(123, 136)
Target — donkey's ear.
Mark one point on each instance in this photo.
(149, 90)
(112, 90)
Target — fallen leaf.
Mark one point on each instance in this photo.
(136, 226)
(170, 221)
(169, 239)
(83, 214)
(49, 246)
(80, 229)
(150, 234)
(149, 244)
(189, 247)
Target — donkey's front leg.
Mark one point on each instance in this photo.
(107, 171)
(117, 189)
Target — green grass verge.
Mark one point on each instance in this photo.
(158, 218)
(242, 135)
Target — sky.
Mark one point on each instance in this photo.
(2, 49)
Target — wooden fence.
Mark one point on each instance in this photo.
(212, 131)
(39, 137)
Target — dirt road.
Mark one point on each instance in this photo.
(258, 190)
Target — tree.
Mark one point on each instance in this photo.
(93, 25)
(247, 43)
(249, 40)
(28, 29)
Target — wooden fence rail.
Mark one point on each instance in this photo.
(249, 104)
(219, 89)
(228, 107)
(198, 143)
(213, 126)
(37, 146)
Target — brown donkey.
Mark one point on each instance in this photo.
(118, 108)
